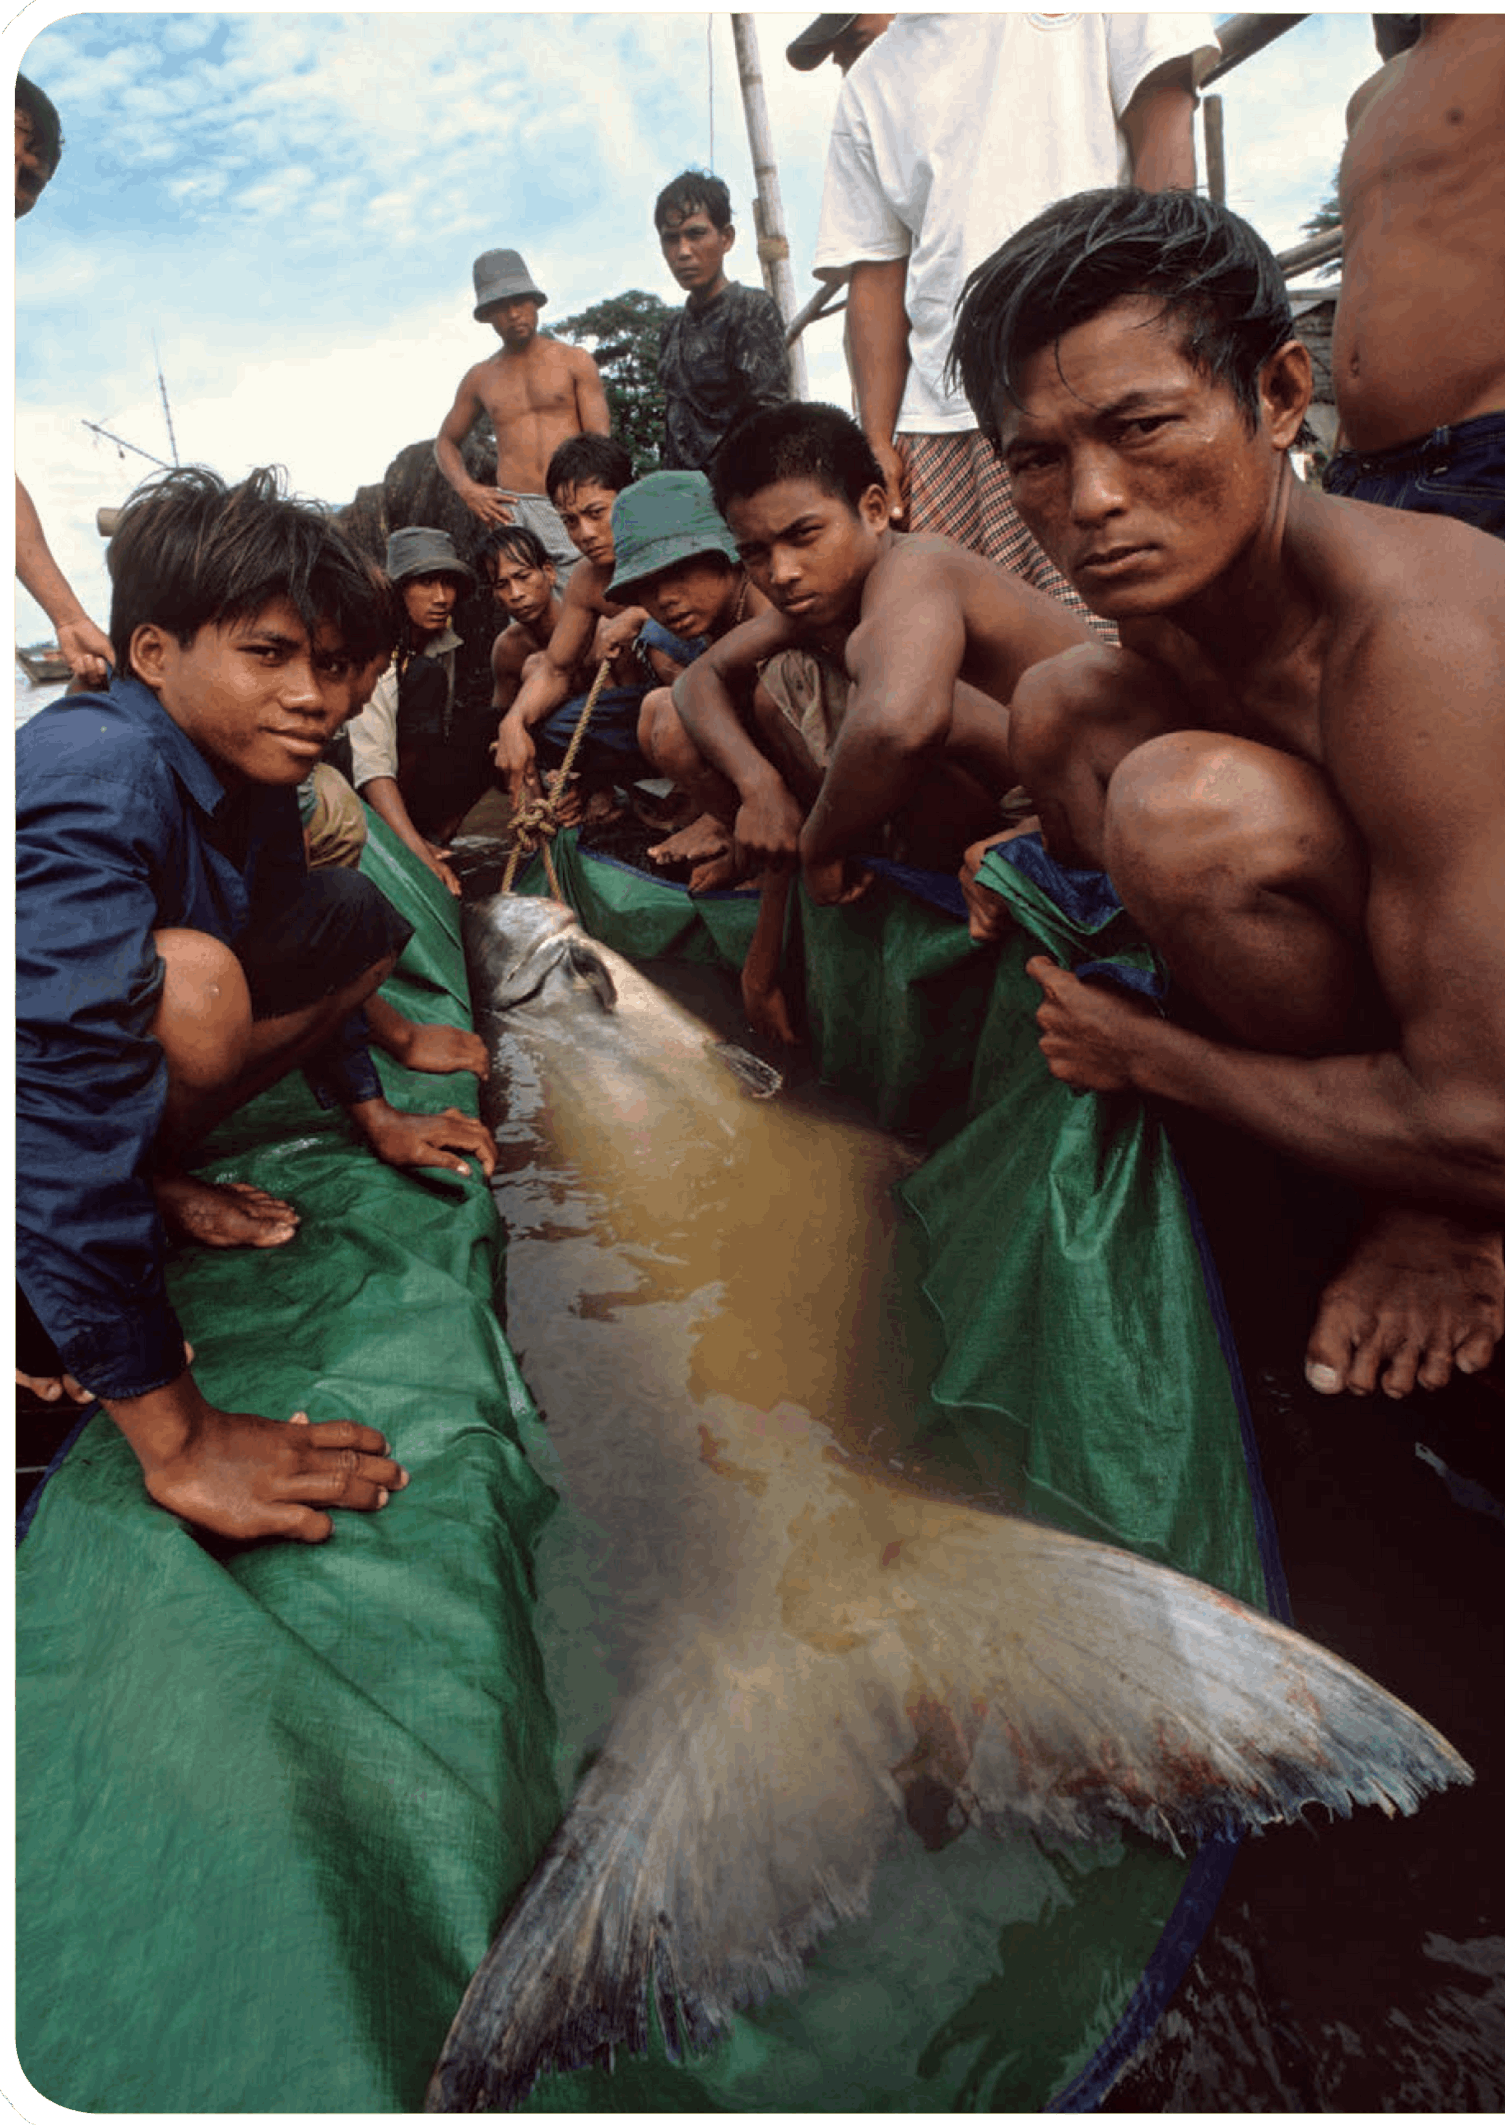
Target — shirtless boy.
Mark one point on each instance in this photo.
(537, 391)
(1418, 352)
(524, 583)
(1293, 769)
(585, 476)
(873, 695)
(175, 957)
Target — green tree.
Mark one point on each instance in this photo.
(622, 333)
(1328, 216)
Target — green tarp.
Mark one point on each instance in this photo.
(270, 1808)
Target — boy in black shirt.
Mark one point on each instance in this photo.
(723, 355)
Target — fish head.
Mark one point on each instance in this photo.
(514, 942)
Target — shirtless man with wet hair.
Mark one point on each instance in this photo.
(1418, 345)
(538, 393)
(1293, 769)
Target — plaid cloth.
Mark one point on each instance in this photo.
(957, 487)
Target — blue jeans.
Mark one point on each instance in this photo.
(1457, 472)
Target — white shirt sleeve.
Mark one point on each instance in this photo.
(1137, 44)
(857, 223)
(373, 733)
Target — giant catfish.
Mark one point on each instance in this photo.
(816, 1645)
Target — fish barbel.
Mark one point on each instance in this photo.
(819, 1649)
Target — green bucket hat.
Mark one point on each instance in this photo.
(664, 519)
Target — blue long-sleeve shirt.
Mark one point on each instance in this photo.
(123, 827)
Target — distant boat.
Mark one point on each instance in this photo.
(44, 663)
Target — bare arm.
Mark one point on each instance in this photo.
(487, 503)
(590, 395)
(904, 658)
(877, 339)
(766, 831)
(1416, 748)
(86, 646)
(509, 652)
(1157, 126)
(546, 682)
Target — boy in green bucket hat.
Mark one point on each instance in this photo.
(677, 559)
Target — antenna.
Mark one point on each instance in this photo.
(172, 441)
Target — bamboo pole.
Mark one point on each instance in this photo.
(768, 207)
(1241, 36)
(1316, 251)
(1212, 133)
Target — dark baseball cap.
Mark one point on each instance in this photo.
(814, 45)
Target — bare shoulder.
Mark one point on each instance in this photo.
(586, 589)
(511, 651)
(1377, 84)
(1417, 643)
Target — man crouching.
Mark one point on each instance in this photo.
(175, 957)
(1293, 769)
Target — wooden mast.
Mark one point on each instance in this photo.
(768, 207)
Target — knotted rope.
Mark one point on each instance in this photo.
(535, 821)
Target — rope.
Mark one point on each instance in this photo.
(536, 822)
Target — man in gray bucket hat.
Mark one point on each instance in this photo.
(537, 391)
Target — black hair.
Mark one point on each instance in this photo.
(518, 543)
(1218, 279)
(1395, 33)
(588, 461)
(46, 126)
(795, 441)
(192, 552)
(694, 189)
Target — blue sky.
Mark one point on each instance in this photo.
(287, 205)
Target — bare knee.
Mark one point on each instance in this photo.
(203, 1017)
(1059, 706)
(662, 739)
(1195, 819)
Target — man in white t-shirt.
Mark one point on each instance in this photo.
(952, 133)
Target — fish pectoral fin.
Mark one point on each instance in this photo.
(1100, 1691)
(732, 1819)
(759, 1078)
(594, 972)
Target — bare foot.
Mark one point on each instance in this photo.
(223, 1213)
(715, 875)
(602, 808)
(1419, 1296)
(698, 842)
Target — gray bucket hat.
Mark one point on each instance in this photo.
(664, 519)
(417, 550)
(499, 276)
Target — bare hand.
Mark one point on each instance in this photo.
(516, 757)
(491, 504)
(838, 883)
(1089, 1033)
(435, 860)
(439, 1049)
(768, 1010)
(895, 469)
(247, 1477)
(988, 916)
(402, 1139)
(619, 632)
(88, 650)
(53, 1387)
(766, 830)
